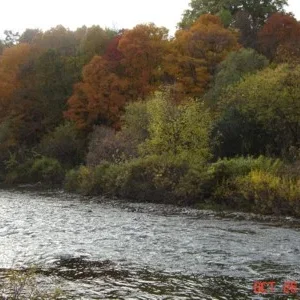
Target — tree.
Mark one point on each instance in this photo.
(143, 49)
(95, 41)
(55, 76)
(58, 38)
(181, 132)
(280, 38)
(129, 70)
(270, 99)
(246, 15)
(11, 38)
(29, 35)
(233, 69)
(195, 54)
(100, 97)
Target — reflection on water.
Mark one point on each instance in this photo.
(101, 249)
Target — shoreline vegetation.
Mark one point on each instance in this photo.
(209, 118)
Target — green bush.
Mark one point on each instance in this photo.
(270, 194)
(229, 168)
(19, 173)
(47, 170)
(63, 144)
(224, 185)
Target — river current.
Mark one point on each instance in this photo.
(95, 248)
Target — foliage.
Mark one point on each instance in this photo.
(181, 131)
(261, 185)
(22, 284)
(143, 49)
(107, 145)
(46, 170)
(112, 81)
(95, 41)
(270, 98)
(233, 69)
(247, 16)
(64, 144)
(271, 194)
(101, 96)
(279, 39)
(154, 178)
(195, 53)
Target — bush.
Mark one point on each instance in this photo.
(85, 180)
(153, 178)
(261, 185)
(23, 284)
(47, 170)
(224, 185)
(228, 168)
(20, 173)
(108, 146)
(63, 144)
(115, 147)
(271, 194)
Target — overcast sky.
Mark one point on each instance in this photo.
(18, 15)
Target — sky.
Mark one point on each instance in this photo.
(17, 15)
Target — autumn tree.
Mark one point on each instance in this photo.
(246, 15)
(196, 52)
(58, 38)
(279, 39)
(100, 97)
(17, 107)
(55, 76)
(180, 132)
(94, 41)
(143, 48)
(128, 71)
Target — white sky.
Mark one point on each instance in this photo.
(17, 15)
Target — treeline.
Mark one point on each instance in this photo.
(208, 117)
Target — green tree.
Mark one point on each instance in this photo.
(94, 41)
(269, 98)
(182, 131)
(233, 69)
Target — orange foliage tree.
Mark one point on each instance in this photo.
(195, 53)
(129, 70)
(18, 105)
(279, 39)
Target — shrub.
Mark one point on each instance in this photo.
(224, 184)
(154, 178)
(47, 170)
(108, 146)
(229, 168)
(270, 193)
(23, 284)
(63, 144)
(20, 173)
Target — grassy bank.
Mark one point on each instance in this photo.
(260, 185)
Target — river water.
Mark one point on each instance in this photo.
(96, 248)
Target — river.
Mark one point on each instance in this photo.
(97, 248)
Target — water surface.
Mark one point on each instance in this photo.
(103, 249)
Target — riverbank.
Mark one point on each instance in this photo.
(257, 185)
